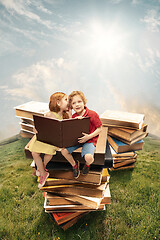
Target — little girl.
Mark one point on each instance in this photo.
(58, 106)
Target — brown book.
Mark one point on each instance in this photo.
(116, 155)
(56, 201)
(120, 147)
(61, 133)
(93, 177)
(27, 110)
(123, 163)
(26, 134)
(118, 160)
(122, 119)
(71, 208)
(126, 133)
(77, 189)
(132, 141)
(27, 127)
(63, 217)
(122, 168)
(27, 121)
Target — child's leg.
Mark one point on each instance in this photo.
(68, 156)
(88, 154)
(39, 163)
(47, 158)
(89, 159)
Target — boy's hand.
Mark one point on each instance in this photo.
(84, 139)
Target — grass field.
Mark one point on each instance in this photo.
(133, 213)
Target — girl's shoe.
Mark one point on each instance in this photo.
(43, 180)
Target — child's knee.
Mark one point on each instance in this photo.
(34, 154)
(64, 151)
(89, 157)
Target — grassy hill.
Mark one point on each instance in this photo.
(133, 213)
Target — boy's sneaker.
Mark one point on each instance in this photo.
(76, 171)
(85, 169)
(43, 180)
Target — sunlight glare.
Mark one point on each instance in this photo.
(107, 42)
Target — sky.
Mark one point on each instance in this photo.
(109, 49)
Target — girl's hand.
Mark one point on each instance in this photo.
(84, 139)
(69, 112)
(79, 117)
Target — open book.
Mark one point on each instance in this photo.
(60, 133)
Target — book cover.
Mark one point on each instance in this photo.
(126, 133)
(75, 190)
(60, 133)
(131, 166)
(62, 217)
(122, 119)
(120, 147)
(136, 139)
(27, 110)
(124, 163)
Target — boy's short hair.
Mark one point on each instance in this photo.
(74, 93)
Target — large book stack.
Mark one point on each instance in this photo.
(126, 132)
(25, 113)
(67, 199)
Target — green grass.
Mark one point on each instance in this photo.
(133, 213)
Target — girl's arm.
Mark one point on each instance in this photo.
(86, 136)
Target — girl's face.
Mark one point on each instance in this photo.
(77, 104)
(63, 103)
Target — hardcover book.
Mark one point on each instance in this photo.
(126, 133)
(62, 217)
(27, 110)
(122, 119)
(120, 147)
(60, 133)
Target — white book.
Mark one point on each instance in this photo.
(122, 119)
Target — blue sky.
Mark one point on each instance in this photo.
(109, 49)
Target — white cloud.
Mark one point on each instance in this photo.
(116, 1)
(43, 78)
(135, 2)
(22, 8)
(43, 9)
(152, 20)
(147, 60)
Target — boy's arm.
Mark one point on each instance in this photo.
(86, 136)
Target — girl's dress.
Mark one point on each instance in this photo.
(40, 147)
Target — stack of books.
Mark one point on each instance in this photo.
(67, 199)
(25, 113)
(126, 132)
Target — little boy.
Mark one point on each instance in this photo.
(88, 142)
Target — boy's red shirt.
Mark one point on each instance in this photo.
(95, 123)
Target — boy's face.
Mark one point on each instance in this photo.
(77, 104)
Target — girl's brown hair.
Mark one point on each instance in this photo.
(74, 93)
(53, 104)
